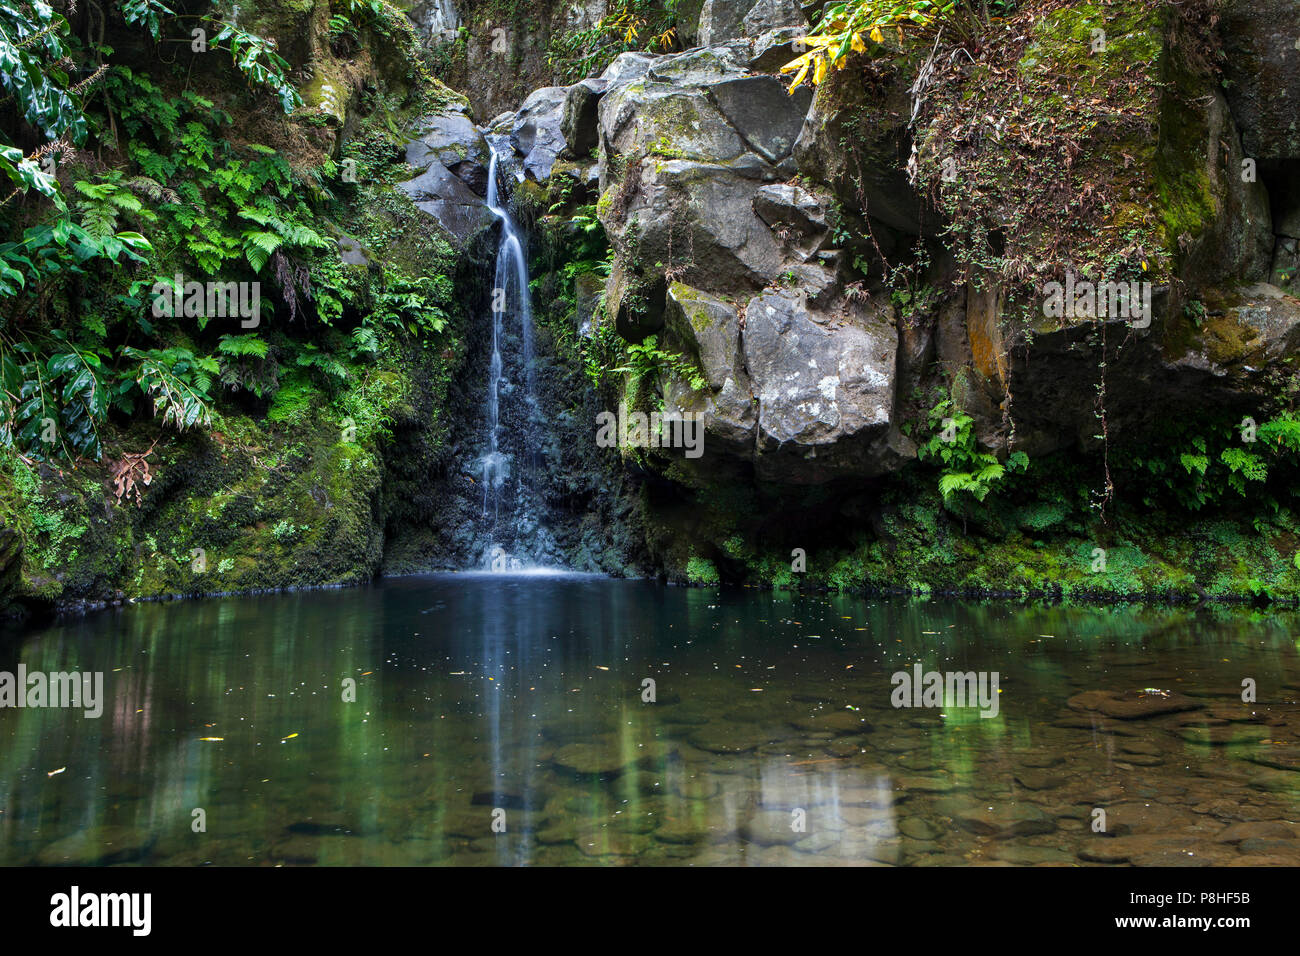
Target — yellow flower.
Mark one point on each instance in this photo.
(877, 35)
(856, 45)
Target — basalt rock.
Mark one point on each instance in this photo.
(579, 121)
(804, 394)
(722, 20)
(824, 384)
(871, 176)
(1171, 368)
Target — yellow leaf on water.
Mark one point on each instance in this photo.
(212, 738)
(290, 737)
(53, 772)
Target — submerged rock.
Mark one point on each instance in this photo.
(98, 846)
(1133, 704)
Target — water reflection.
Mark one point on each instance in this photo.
(518, 700)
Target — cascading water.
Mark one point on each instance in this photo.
(512, 314)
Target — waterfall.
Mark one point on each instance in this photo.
(512, 308)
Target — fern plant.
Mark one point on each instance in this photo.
(964, 467)
(177, 382)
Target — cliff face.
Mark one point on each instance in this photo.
(848, 285)
(850, 273)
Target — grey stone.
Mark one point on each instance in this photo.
(536, 134)
(768, 15)
(825, 389)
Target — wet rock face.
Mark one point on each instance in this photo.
(1262, 66)
(1168, 369)
(1238, 243)
(434, 20)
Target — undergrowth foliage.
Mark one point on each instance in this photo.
(134, 178)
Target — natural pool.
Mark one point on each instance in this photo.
(772, 739)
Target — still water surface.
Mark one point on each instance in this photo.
(772, 739)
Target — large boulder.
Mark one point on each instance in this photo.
(697, 218)
(773, 49)
(824, 384)
(452, 140)
(804, 394)
(538, 133)
(682, 153)
(444, 196)
(627, 67)
(451, 158)
(721, 20)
